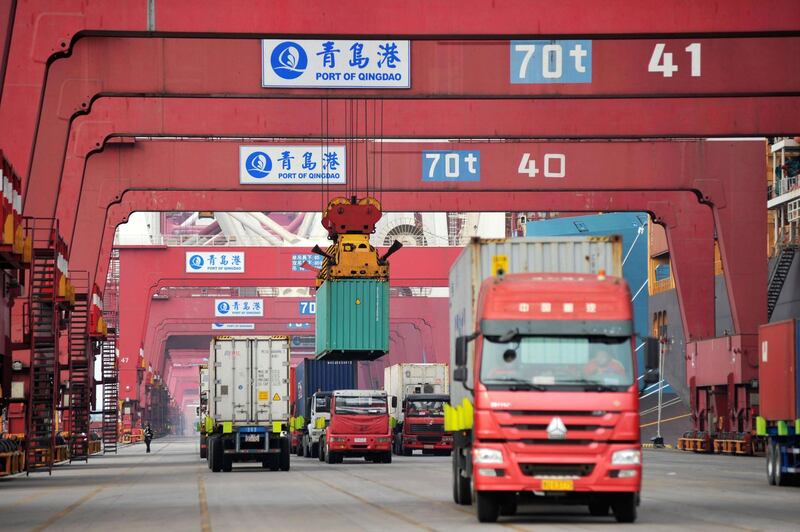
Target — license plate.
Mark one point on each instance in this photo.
(251, 438)
(360, 440)
(427, 446)
(557, 485)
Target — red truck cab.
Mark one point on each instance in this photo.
(553, 408)
(423, 425)
(359, 427)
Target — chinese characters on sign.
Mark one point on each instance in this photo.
(214, 262)
(238, 307)
(384, 64)
(295, 165)
(311, 258)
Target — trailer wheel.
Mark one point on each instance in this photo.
(624, 506)
(781, 479)
(487, 507)
(217, 454)
(285, 455)
(461, 485)
(770, 463)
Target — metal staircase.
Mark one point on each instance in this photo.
(80, 365)
(40, 438)
(108, 352)
(778, 277)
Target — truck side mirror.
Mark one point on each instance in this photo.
(460, 374)
(394, 401)
(461, 350)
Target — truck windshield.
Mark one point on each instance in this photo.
(361, 405)
(425, 408)
(322, 404)
(596, 363)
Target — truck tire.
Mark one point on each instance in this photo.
(299, 451)
(781, 479)
(285, 463)
(770, 463)
(217, 455)
(624, 506)
(487, 507)
(461, 486)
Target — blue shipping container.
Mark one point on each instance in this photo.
(632, 227)
(321, 375)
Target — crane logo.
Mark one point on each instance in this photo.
(289, 60)
(196, 262)
(556, 430)
(223, 307)
(258, 165)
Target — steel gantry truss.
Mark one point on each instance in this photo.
(75, 59)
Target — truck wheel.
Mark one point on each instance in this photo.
(624, 506)
(387, 458)
(780, 478)
(487, 507)
(770, 464)
(285, 455)
(330, 457)
(461, 486)
(217, 455)
(210, 453)
(299, 450)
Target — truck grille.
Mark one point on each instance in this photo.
(417, 429)
(429, 439)
(557, 470)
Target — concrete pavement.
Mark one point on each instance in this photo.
(172, 489)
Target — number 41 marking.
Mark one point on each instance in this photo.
(661, 61)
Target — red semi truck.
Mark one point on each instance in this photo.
(359, 427)
(545, 401)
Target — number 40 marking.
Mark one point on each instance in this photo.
(555, 165)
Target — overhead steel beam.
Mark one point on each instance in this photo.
(103, 66)
(445, 119)
(718, 172)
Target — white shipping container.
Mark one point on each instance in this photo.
(523, 255)
(249, 380)
(401, 380)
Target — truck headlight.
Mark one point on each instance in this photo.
(487, 456)
(627, 457)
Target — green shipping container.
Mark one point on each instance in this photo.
(352, 319)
